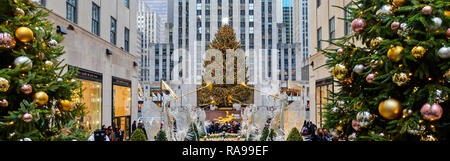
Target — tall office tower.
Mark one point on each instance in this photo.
(288, 20)
(160, 8)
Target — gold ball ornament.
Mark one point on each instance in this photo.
(398, 3)
(390, 109)
(395, 53)
(24, 34)
(400, 79)
(4, 84)
(418, 51)
(339, 71)
(66, 105)
(41, 98)
(213, 102)
(376, 41)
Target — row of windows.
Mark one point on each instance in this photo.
(332, 29)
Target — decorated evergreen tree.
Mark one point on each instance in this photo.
(35, 91)
(394, 86)
(294, 135)
(161, 136)
(225, 94)
(138, 135)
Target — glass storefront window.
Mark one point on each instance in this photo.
(92, 98)
(323, 89)
(122, 101)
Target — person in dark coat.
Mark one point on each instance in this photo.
(133, 127)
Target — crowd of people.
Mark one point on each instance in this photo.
(111, 133)
(310, 132)
(227, 127)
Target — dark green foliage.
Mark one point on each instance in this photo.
(414, 94)
(267, 135)
(138, 135)
(161, 136)
(294, 135)
(47, 123)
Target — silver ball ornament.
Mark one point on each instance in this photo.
(24, 62)
(358, 69)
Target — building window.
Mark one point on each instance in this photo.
(122, 105)
(113, 33)
(318, 3)
(332, 29)
(319, 38)
(95, 19)
(127, 3)
(347, 24)
(323, 89)
(127, 39)
(72, 7)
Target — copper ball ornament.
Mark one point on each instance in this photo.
(24, 34)
(26, 89)
(395, 53)
(390, 109)
(427, 10)
(358, 25)
(4, 85)
(418, 51)
(400, 79)
(340, 51)
(19, 12)
(7, 41)
(4, 103)
(27, 117)
(447, 33)
(395, 26)
(370, 78)
(41, 98)
(339, 71)
(431, 113)
(24, 63)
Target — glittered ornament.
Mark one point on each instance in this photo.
(376, 41)
(26, 89)
(339, 71)
(48, 64)
(355, 125)
(352, 137)
(24, 63)
(19, 12)
(398, 3)
(394, 54)
(340, 51)
(431, 113)
(390, 109)
(364, 118)
(4, 103)
(418, 51)
(4, 84)
(41, 56)
(41, 98)
(370, 77)
(444, 52)
(53, 43)
(358, 25)
(427, 10)
(400, 79)
(358, 69)
(27, 117)
(7, 41)
(24, 34)
(395, 26)
(447, 76)
(385, 10)
(437, 22)
(66, 105)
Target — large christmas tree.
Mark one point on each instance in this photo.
(35, 91)
(395, 85)
(224, 95)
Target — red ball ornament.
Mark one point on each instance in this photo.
(27, 117)
(395, 25)
(427, 10)
(340, 51)
(370, 78)
(432, 113)
(26, 89)
(358, 25)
